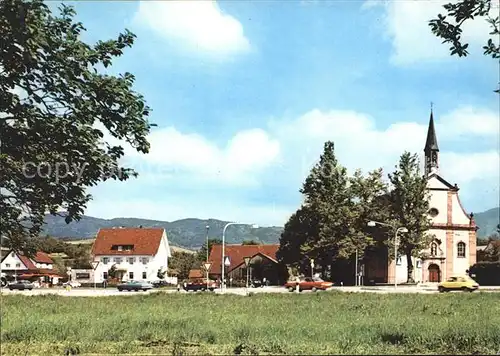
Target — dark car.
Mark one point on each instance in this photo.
(21, 285)
(199, 284)
(134, 286)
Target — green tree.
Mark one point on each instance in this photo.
(202, 253)
(251, 242)
(368, 201)
(301, 228)
(410, 206)
(460, 13)
(52, 95)
(183, 262)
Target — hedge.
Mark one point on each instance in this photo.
(486, 273)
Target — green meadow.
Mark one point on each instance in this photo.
(310, 323)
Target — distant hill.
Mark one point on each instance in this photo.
(487, 221)
(187, 233)
(191, 233)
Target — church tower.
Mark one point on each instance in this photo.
(431, 149)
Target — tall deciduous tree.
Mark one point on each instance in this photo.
(369, 201)
(326, 193)
(52, 95)
(410, 206)
(295, 240)
(183, 262)
(464, 11)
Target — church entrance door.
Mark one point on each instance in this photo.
(434, 273)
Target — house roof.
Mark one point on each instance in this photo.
(145, 241)
(40, 257)
(195, 274)
(237, 254)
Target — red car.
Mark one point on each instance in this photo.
(309, 283)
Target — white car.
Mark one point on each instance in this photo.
(72, 284)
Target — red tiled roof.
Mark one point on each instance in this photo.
(42, 257)
(27, 262)
(195, 274)
(237, 254)
(145, 241)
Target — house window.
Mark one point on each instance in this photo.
(120, 248)
(105, 260)
(145, 260)
(461, 249)
(434, 248)
(398, 261)
(13, 254)
(7, 265)
(419, 264)
(118, 260)
(131, 275)
(131, 260)
(144, 275)
(105, 275)
(18, 265)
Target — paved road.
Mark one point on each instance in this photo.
(84, 292)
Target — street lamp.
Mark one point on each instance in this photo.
(398, 229)
(254, 226)
(207, 265)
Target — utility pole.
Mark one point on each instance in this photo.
(206, 264)
(356, 269)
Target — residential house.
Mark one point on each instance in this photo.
(135, 253)
(39, 267)
(262, 263)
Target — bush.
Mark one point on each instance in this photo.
(486, 273)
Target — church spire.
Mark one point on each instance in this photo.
(431, 148)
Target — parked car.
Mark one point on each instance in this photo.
(463, 283)
(21, 285)
(308, 283)
(199, 284)
(72, 284)
(134, 286)
(160, 283)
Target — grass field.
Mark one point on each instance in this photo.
(321, 323)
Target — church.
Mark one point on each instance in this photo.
(453, 247)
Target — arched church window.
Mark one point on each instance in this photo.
(461, 249)
(434, 249)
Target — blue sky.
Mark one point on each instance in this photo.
(246, 92)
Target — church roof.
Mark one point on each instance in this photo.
(444, 181)
(431, 143)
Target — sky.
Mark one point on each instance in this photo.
(245, 93)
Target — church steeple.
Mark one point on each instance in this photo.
(431, 148)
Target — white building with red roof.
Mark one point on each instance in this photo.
(19, 266)
(136, 253)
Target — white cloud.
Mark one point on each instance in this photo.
(196, 25)
(407, 24)
(218, 180)
(174, 154)
(360, 144)
(468, 120)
